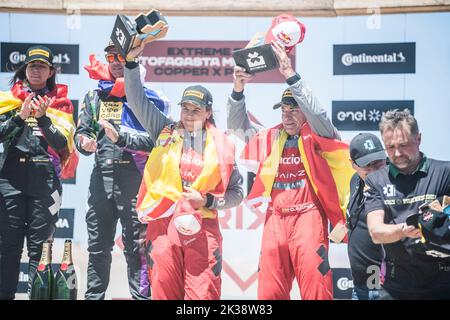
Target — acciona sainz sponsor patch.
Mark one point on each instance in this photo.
(291, 173)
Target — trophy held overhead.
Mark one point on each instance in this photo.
(258, 55)
(128, 33)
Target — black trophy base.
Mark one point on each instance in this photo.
(256, 59)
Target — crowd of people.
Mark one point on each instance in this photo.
(165, 181)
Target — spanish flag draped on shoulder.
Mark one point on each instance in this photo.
(60, 113)
(325, 161)
(161, 186)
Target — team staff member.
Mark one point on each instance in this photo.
(298, 184)
(366, 155)
(191, 170)
(109, 129)
(36, 129)
(396, 191)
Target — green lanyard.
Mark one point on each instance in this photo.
(93, 105)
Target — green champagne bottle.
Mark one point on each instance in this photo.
(42, 284)
(65, 284)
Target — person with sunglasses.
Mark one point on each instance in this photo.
(108, 128)
(366, 155)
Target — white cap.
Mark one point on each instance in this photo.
(287, 33)
(187, 224)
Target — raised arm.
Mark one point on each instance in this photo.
(151, 118)
(315, 115)
(238, 119)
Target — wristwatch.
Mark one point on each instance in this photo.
(131, 59)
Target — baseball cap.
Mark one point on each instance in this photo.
(109, 45)
(365, 148)
(197, 95)
(39, 53)
(286, 30)
(186, 224)
(286, 98)
(435, 226)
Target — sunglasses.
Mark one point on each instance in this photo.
(110, 57)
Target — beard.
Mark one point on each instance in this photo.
(405, 162)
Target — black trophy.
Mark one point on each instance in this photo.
(256, 59)
(256, 56)
(128, 33)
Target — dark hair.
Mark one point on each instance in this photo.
(20, 74)
(211, 118)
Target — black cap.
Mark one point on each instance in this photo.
(286, 98)
(365, 148)
(197, 95)
(109, 45)
(434, 223)
(39, 53)
(435, 226)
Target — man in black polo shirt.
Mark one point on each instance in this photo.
(366, 155)
(397, 191)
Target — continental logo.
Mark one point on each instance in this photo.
(425, 197)
(66, 56)
(36, 52)
(374, 58)
(194, 93)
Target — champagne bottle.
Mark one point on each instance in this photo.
(65, 284)
(42, 284)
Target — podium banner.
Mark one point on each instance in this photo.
(198, 61)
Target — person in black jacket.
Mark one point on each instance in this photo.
(109, 129)
(36, 153)
(396, 192)
(367, 155)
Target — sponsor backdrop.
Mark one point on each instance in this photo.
(65, 56)
(364, 115)
(374, 58)
(197, 61)
(358, 67)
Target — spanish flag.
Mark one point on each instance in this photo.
(161, 185)
(61, 115)
(325, 161)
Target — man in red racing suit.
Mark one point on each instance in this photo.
(295, 236)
